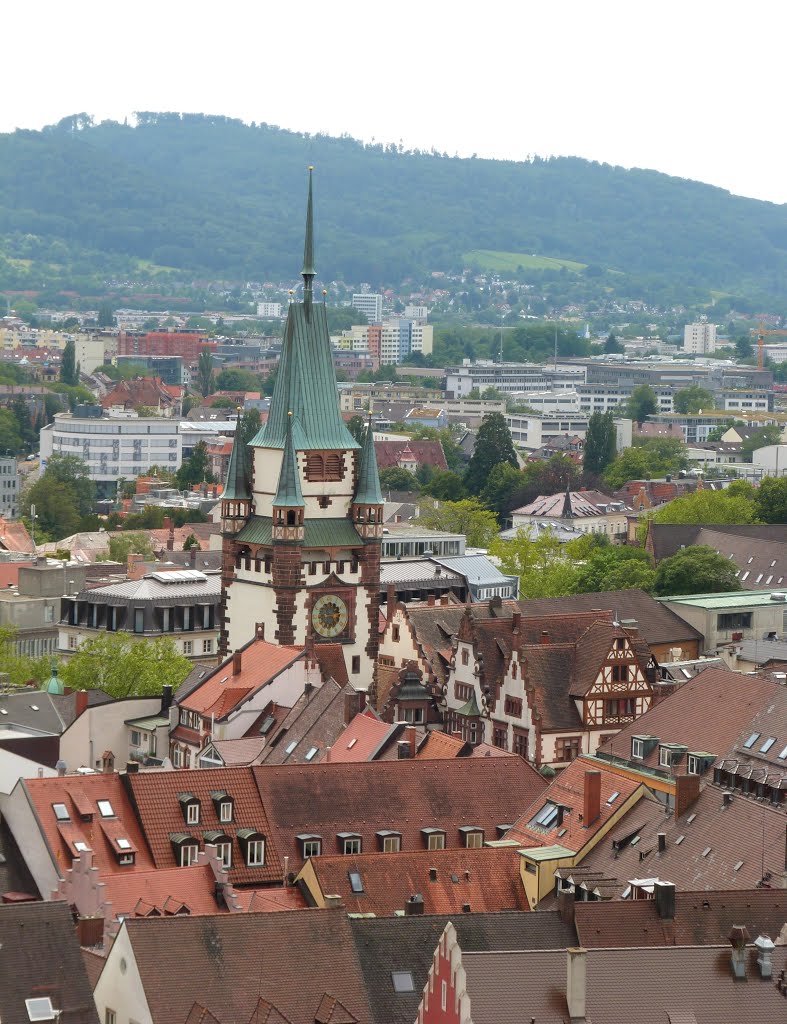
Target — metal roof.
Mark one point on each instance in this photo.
(319, 533)
(477, 569)
(735, 599)
(556, 852)
(151, 588)
(415, 570)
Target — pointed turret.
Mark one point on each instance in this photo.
(368, 499)
(236, 496)
(308, 270)
(288, 504)
(568, 511)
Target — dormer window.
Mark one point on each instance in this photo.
(349, 842)
(434, 838)
(311, 845)
(473, 836)
(190, 807)
(252, 843)
(223, 844)
(390, 842)
(224, 806)
(185, 848)
(637, 748)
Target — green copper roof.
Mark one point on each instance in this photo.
(237, 483)
(54, 684)
(308, 270)
(368, 492)
(470, 709)
(319, 533)
(306, 381)
(288, 493)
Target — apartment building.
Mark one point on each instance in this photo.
(532, 431)
(9, 488)
(699, 338)
(511, 378)
(388, 341)
(370, 304)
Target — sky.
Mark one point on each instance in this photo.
(691, 88)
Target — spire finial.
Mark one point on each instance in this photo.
(308, 270)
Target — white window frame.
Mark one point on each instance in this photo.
(694, 765)
(192, 814)
(224, 851)
(392, 844)
(188, 855)
(207, 646)
(110, 1017)
(351, 846)
(312, 848)
(665, 752)
(637, 749)
(436, 841)
(225, 811)
(187, 646)
(474, 840)
(177, 757)
(255, 853)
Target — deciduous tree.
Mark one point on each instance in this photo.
(542, 565)
(693, 399)
(125, 667)
(468, 516)
(696, 570)
(770, 500)
(599, 442)
(493, 445)
(642, 403)
(205, 379)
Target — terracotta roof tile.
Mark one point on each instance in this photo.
(486, 880)
(360, 739)
(406, 796)
(137, 893)
(425, 453)
(441, 745)
(156, 797)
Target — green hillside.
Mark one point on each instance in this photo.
(219, 199)
(512, 262)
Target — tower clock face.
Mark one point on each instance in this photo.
(329, 615)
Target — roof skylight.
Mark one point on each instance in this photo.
(124, 844)
(290, 747)
(751, 740)
(356, 882)
(767, 744)
(310, 753)
(40, 1008)
(105, 809)
(613, 797)
(61, 812)
(403, 981)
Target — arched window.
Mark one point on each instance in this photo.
(314, 466)
(334, 467)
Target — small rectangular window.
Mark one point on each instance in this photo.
(61, 812)
(311, 848)
(402, 981)
(356, 882)
(110, 1017)
(224, 851)
(255, 853)
(105, 809)
(751, 740)
(225, 811)
(767, 744)
(352, 846)
(436, 841)
(474, 840)
(192, 814)
(637, 748)
(188, 855)
(392, 844)
(310, 753)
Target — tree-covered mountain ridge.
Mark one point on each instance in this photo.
(215, 197)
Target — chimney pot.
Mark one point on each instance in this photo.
(166, 699)
(415, 905)
(662, 842)
(430, 601)
(516, 621)
(411, 738)
(237, 659)
(664, 893)
(764, 946)
(544, 639)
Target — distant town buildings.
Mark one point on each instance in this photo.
(699, 338)
(370, 304)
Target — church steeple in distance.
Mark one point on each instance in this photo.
(308, 270)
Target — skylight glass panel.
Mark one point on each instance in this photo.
(352, 742)
(311, 752)
(546, 816)
(690, 818)
(356, 883)
(124, 844)
(105, 809)
(751, 740)
(783, 754)
(679, 840)
(61, 812)
(40, 1009)
(613, 797)
(402, 981)
(290, 747)
(738, 866)
(767, 744)
(706, 851)
(745, 575)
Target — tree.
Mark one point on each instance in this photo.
(196, 469)
(615, 568)
(468, 516)
(493, 445)
(69, 367)
(693, 399)
(542, 565)
(72, 471)
(123, 544)
(249, 426)
(771, 434)
(770, 500)
(106, 315)
(10, 435)
(502, 485)
(205, 380)
(696, 570)
(234, 379)
(743, 347)
(612, 346)
(642, 403)
(446, 486)
(653, 458)
(191, 542)
(394, 478)
(705, 507)
(57, 514)
(20, 668)
(357, 428)
(600, 439)
(125, 667)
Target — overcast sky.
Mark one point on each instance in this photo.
(689, 87)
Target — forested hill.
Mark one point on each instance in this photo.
(216, 197)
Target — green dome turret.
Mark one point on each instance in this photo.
(54, 684)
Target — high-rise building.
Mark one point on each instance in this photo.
(370, 304)
(699, 338)
(302, 517)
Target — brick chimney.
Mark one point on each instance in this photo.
(592, 798)
(430, 601)
(516, 622)
(352, 706)
(411, 737)
(237, 658)
(169, 524)
(664, 895)
(193, 555)
(80, 702)
(687, 789)
(544, 638)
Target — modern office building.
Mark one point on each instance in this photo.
(699, 338)
(370, 304)
(9, 488)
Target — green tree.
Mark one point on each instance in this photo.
(696, 570)
(770, 500)
(234, 379)
(705, 507)
(743, 347)
(446, 486)
(600, 441)
(10, 435)
(468, 516)
(612, 346)
(20, 668)
(124, 544)
(191, 542)
(57, 514)
(543, 568)
(615, 568)
(196, 469)
(771, 434)
(394, 478)
(357, 428)
(249, 426)
(493, 445)
(503, 484)
(205, 379)
(693, 399)
(106, 315)
(656, 457)
(125, 667)
(69, 367)
(72, 471)
(642, 403)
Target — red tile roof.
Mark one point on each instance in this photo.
(568, 790)
(425, 453)
(156, 797)
(80, 794)
(406, 796)
(486, 880)
(14, 537)
(163, 890)
(362, 737)
(222, 691)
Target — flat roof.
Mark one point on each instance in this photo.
(734, 599)
(556, 852)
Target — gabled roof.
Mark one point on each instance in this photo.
(706, 714)
(568, 790)
(407, 944)
(222, 692)
(362, 739)
(570, 504)
(14, 536)
(485, 880)
(155, 796)
(313, 724)
(164, 891)
(404, 795)
(41, 959)
(80, 795)
(227, 964)
(701, 918)
(425, 453)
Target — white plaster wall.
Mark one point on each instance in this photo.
(285, 689)
(13, 768)
(121, 989)
(246, 606)
(101, 728)
(403, 649)
(18, 812)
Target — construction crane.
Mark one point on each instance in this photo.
(761, 332)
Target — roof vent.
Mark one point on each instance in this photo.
(738, 938)
(432, 874)
(415, 905)
(465, 908)
(764, 946)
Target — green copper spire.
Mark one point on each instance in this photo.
(308, 270)
(368, 492)
(237, 483)
(54, 684)
(306, 380)
(288, 493)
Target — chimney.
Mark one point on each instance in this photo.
(727, 799)
(332, 900)
(432, 874)
(592, 801)
(390, 600)
(516, 622)
(414, 906)
(352, 706)
(738, 938)
(61, 767)
(80, 702)
(544, 638)
(237, 659)
(308, 689)
(411, 737)
(576, 982)
(132, 767)
(363, 699)
(664, 893)
(169, 524)
(764, 946)
(444, 600)
(430, 601)
(662, 842)
(90, 931)
(166, 699)
(687, 789)
(107, 762)
(565, 906)
(193, 556)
